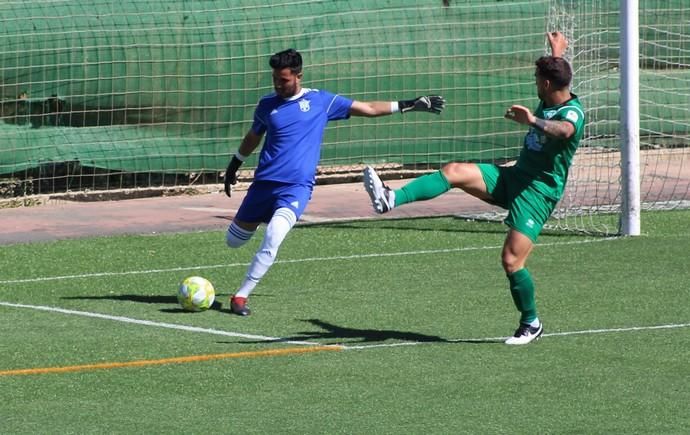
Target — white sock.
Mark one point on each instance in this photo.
(236, 236)
(281, 223)
(535, 323)
(246, 288)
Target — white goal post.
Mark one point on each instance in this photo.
(630, 118)
(632, 72)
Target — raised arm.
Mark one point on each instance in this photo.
(371, 108)
(432, 103)
(549, 93)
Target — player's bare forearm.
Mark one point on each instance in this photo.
(557, 129)
(249, 143)
(425, 103)
(371, 108)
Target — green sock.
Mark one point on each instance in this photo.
(425, 187)
(522, 290)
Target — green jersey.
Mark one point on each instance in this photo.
(547, 159)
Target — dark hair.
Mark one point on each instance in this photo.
(289, 58)
(555, 69)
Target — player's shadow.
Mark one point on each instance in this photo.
(334, 334)
(154, 299)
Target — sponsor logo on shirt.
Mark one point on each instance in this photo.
(572, 116)
(532, 141)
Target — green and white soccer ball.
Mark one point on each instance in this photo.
(196, 294)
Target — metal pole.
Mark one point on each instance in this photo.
(630, 118)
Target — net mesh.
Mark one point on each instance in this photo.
(108, 95)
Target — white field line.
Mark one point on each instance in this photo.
(156, 324)
(553, 334)
(299, 260)
(310, 343)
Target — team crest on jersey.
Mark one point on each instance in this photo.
(304, 105)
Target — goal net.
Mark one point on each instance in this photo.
(593, 197)
(104, 95)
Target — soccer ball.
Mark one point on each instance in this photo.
(196, 294)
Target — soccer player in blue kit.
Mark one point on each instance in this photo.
(293, 119)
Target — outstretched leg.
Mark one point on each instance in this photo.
(465, 176)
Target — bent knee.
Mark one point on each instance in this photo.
(511, 263)
(460, 174)
(466, 176)
(452, 171)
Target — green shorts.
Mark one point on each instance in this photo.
(511, 189)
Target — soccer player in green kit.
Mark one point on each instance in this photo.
(529, 190)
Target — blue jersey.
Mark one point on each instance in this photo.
(294, 131)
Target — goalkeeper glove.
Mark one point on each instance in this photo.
(231, 174)
(431, 103)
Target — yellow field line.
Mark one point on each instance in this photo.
(177, 360)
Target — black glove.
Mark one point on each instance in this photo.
(231, 174)
(431, 103)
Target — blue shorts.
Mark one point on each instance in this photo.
(265, 197)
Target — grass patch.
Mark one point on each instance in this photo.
(406, 298)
